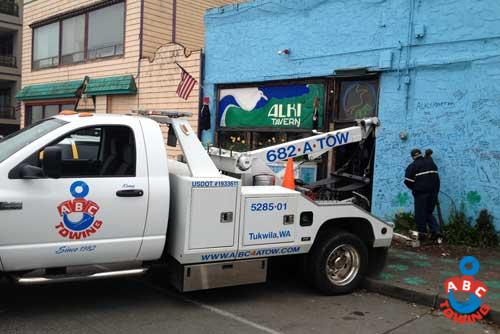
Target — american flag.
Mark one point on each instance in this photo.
(186, 85)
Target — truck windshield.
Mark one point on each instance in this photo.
(16, 141)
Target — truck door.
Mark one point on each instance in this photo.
(94, 213)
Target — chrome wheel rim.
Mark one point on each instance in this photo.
(342, 265)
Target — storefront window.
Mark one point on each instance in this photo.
(35, 113)
(274, 113)
(67, 107)
(358, 99)
(265, 139)
(236, 141)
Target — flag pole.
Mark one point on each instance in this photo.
(182, 68)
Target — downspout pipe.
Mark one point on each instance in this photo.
(141, 42)
(174, 20)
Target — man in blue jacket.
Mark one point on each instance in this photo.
(422, 178)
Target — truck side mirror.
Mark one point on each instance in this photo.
(29, 172)
(51, 163)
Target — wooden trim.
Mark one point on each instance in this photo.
(32, 48)
(48, 102)
(60, 43)
(125, 27)
(273, 82)
(86, 38)
(233, 129)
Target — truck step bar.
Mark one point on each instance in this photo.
(76, 278)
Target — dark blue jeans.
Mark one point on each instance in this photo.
(425, 203)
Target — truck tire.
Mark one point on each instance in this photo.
(337, 263)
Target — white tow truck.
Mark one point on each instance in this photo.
(113, 204)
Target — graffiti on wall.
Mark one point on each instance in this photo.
(460, 124)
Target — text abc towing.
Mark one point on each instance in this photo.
(133, 207)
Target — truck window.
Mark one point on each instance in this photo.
(16, 141)
(103, 151)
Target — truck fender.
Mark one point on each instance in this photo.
(358, 226)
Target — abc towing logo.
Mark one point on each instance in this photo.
(79, 207)
(472, 309)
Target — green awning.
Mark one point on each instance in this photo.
(111, 86)
(56, 90)
(68, 89)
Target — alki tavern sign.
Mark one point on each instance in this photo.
(296, 106)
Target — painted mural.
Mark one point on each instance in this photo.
(299, 106)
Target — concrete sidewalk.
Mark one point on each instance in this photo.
(419, 278)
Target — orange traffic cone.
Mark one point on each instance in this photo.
(289, 177)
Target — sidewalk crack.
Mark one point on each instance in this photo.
(407, 322)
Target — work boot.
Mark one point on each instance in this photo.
(425, 239)
(437, 237)
(422, 237)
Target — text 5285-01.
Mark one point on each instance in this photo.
(268, 206)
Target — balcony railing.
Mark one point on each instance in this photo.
(7, 112)
(9, 8)
(8, 61)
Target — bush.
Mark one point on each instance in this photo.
(487, 236)
(404, 222)
(459, 230)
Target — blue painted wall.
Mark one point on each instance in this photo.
(443, 89)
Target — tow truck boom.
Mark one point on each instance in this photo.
(254, 162)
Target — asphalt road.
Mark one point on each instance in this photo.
(148, 305)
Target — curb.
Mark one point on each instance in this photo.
(417, 297)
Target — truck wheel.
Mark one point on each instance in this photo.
(338, 262)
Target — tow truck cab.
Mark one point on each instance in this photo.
(117, 199)
(110, 204)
